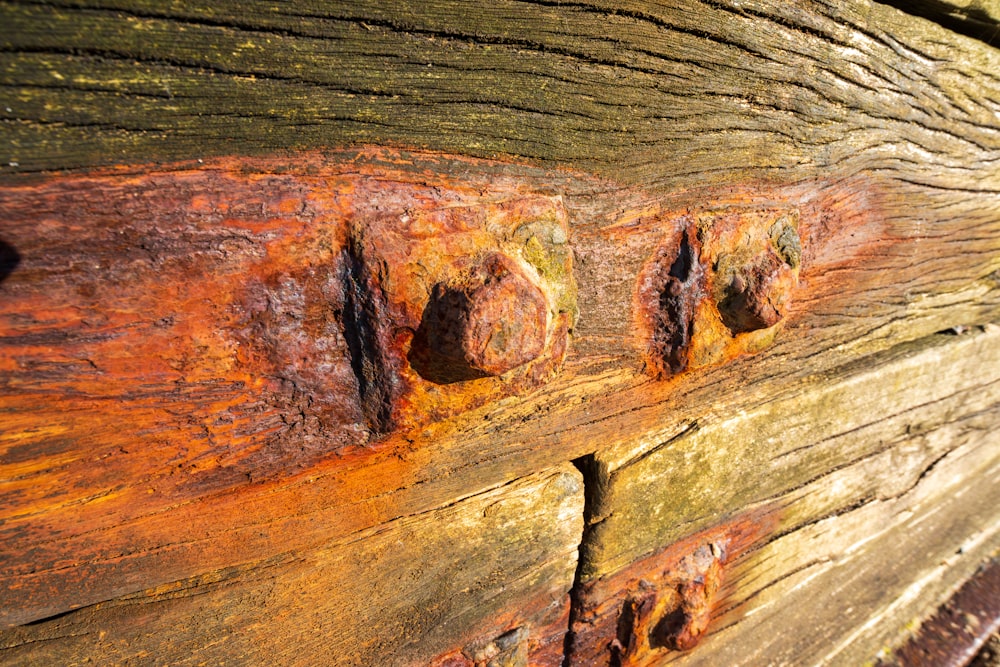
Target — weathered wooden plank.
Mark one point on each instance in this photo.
(770, 442)
(839, 472)
(406, 593)
(679, 94)
(95, 335)
(859, 582)
(876, 131)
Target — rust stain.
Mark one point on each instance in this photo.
(476, 301)
(663, 602)
(491, 319)
(670, 290)
(192, 353)
(718, 286)
(671, 611)
(533, 634)
(173, 335)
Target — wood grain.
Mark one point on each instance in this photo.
(868, 577)
(401, 594)
(671, 94)
(177, 392)
(171, 338)
(243, 407)
(875, 474)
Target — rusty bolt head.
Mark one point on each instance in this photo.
(757, 294)
(489, 321)
(671, 612)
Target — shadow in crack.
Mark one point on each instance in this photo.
(9, 259)
(972, 21)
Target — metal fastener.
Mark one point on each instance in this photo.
(758, 291)
(508, 650)
(757, 294)
(673, 611)
(489, 320)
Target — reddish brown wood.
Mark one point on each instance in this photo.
(180, 392)
(170, 336)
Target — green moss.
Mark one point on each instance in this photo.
(545, 246)
(786, 240)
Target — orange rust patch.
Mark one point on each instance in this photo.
(718, 286)
(409, 267)
(178, 389)
(171, 335)
(663, 602)
(532, 635)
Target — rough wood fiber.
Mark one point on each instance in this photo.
(209, 376)
(188, 332)
(878, 128)
(872, 477)
(400, 594)
(672, 94)
(848, 590)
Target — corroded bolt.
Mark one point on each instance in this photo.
(672, 611)
(490, 320)
(683, 623)
(758, 293)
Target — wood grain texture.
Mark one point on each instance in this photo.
(867, 577)
(243, 408)
(401, 594)
(883, 479)
(771, 442)
(155, 434)
(672, 94)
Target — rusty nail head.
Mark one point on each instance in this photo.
(675, 614)
(492, 319)
(756, 296)
(758, 292)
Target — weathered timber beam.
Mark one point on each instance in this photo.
(857, 486)
(682, 93)
(493, 565)
(155, 434)
(96, 335)
(876, 536)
